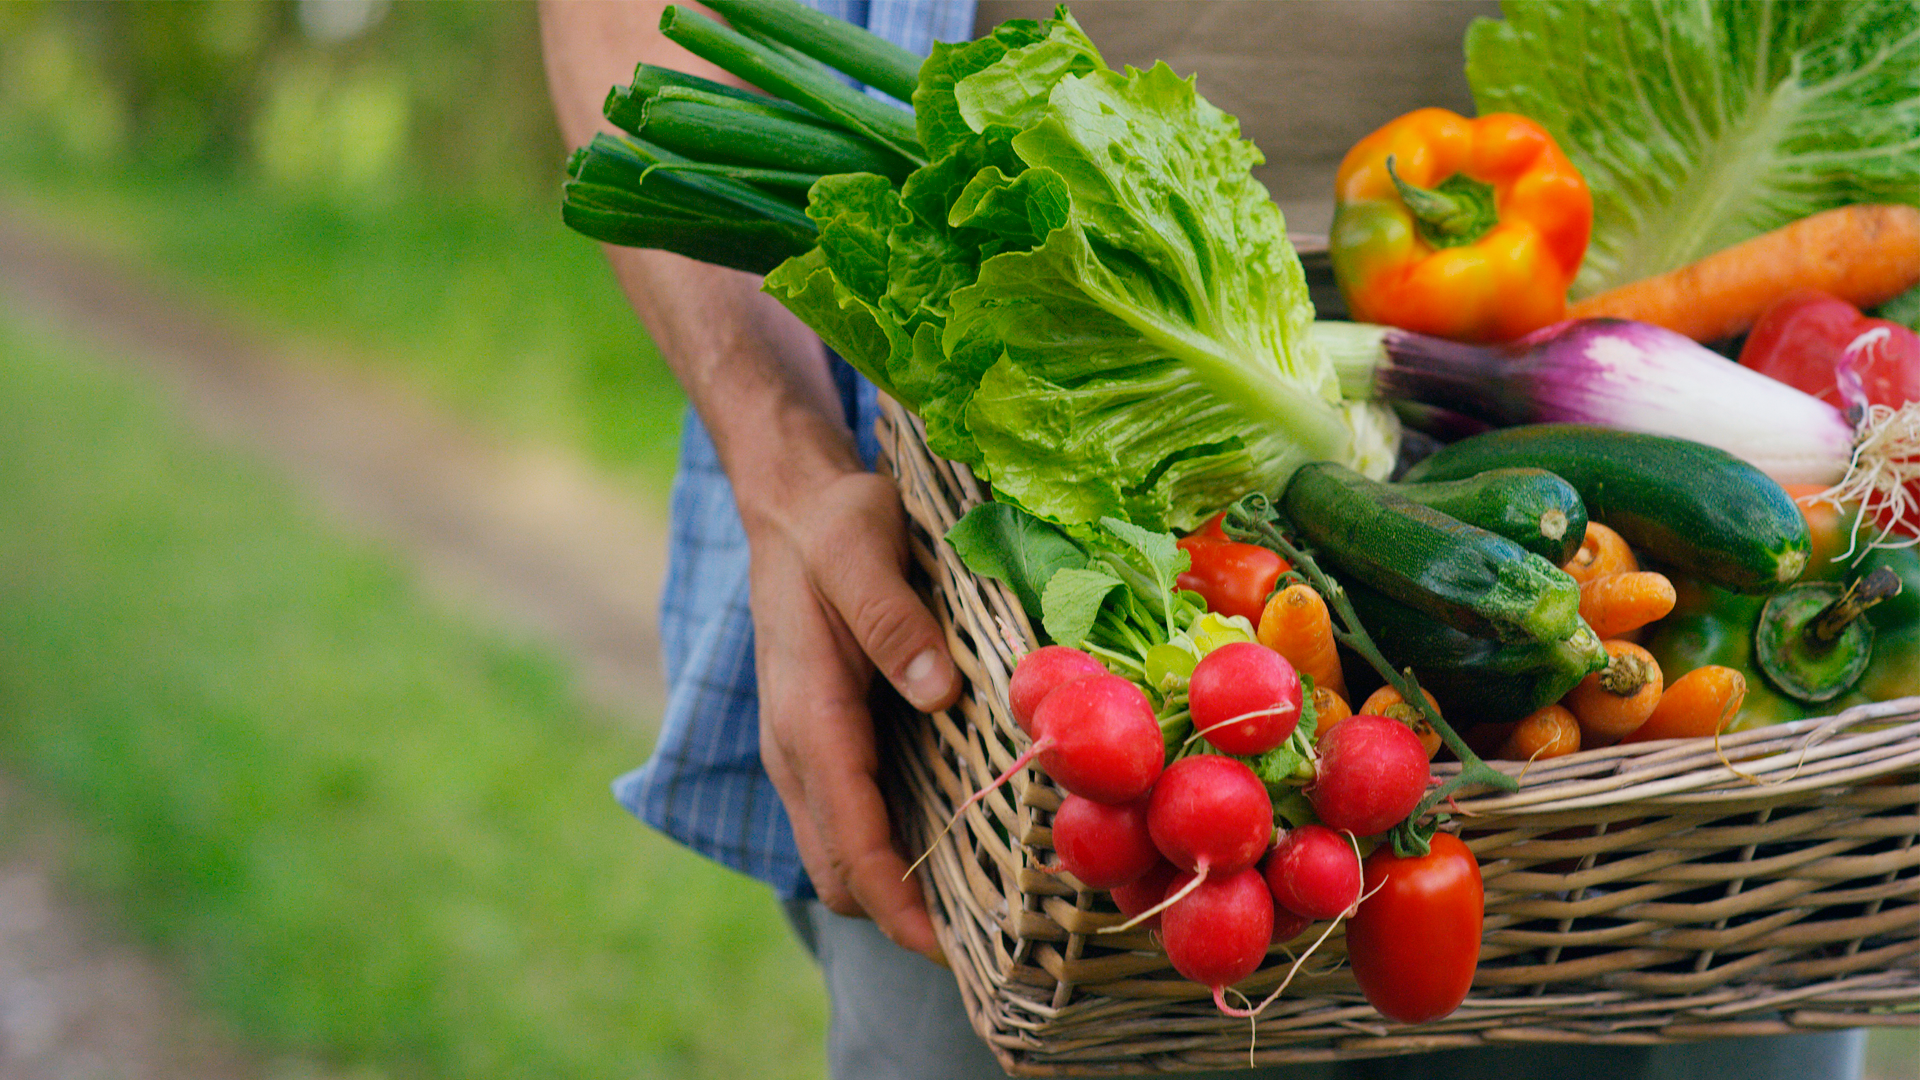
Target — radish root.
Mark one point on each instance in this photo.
(1886, 459)
(1156, 909)
(1019, 763)
(1275, 710)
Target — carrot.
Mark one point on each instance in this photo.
(1549, 732)
(1329, 709)
(1865, 254)
(1611, 703)
(1387, 702)
(1295, 624)
(1698, 704)
(1602, 552)
(1618, 604)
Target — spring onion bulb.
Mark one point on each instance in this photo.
(1640, 377)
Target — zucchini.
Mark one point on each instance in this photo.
(1473, 678)
(1694, 507)
(1463, 575)
(1531, 507)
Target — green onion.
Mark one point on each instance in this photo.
(860, 53)
(784, 178)
(756, 104)
(753, 246)
(765, 68)
(649, 80)
(628, 163)
(721, 134)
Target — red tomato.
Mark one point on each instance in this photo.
(1799, 341)
(1415, 942)
(1232, 577)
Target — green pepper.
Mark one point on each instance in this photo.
(1813, 641)
(1710, 625)
(1894, 670)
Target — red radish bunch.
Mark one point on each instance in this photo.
(1181, 847)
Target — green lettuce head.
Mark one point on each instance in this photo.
(1699, 125)
(1084, 295)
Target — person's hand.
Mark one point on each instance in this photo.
(831, 604)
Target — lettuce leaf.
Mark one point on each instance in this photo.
(1085, 295)
(1699, 125)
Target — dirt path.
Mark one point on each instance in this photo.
(536, 543)
(538, 540)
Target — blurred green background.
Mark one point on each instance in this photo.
(371, 832)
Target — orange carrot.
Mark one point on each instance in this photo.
(1613, 702)
(1619, 604)
(1387, 702)
(1699, 704)
(1329, 709)
(1550, 732)
(1603, 552)
(1865, 254)
(1295, 624)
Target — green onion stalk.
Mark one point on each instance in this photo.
(721, 174)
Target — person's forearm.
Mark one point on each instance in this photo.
(756, 375)
(827, 540)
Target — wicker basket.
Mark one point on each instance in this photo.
(1644, 893)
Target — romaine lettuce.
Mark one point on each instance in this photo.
(1085, 295)
(1701, 124)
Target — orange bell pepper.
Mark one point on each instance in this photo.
(1465, 229)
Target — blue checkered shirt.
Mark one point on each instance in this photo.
(704, 785)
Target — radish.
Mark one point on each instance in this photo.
(1099, 739)
(1287, 924)
(1210, 815)
(1372, 772)
(1042, 671)
(1217, 931)
(1245, 698)
(1315, 872)
(1145, 892)
(1104, 846)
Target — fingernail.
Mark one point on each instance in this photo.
(926, 679)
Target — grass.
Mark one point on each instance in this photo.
(494, 307)
(373, 833)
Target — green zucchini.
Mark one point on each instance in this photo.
(1476, 679)
(1463, 575)
(1531, 507)
(1694, 507)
